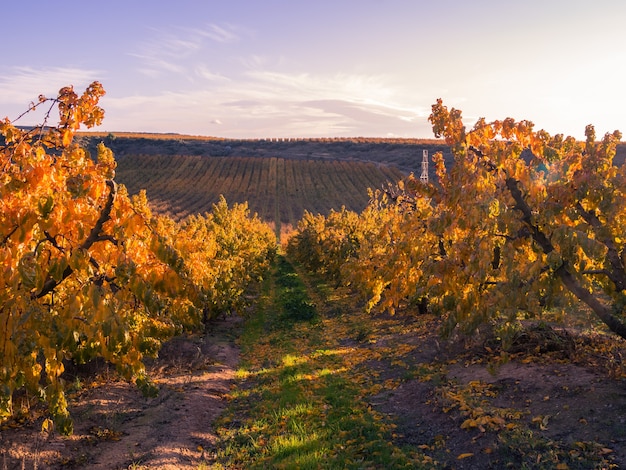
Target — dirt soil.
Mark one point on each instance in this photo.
(578, 405)
(557, 400)
(115, 427)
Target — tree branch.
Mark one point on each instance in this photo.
(618, 272)
(6, 239)
(564, 272)
(94, 236)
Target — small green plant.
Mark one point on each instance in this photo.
(292, 295)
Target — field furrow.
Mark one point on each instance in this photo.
(278, 189)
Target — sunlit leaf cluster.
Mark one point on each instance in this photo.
(227, 251)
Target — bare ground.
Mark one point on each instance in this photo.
(115, 427)
(561, 402)
(577, 407)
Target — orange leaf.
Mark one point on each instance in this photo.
(469, 423)
(67, 137)
(465, 455)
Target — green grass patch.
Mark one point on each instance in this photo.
(297, 405)
(311, 390)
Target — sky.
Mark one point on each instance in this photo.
(323, 68)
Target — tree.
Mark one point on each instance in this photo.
(83, 273)
(521, 222)
(88, 271)
(527, 219)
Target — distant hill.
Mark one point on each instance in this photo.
(279, 178)
(405, 154)
(278, 189)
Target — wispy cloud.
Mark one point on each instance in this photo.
(163, 54)
(262, 102)
(255, 102)
(222, 34)
(153, 66)
(365, 91)
(173, 51)
(203, 71)
(20, 86)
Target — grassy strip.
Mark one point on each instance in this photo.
(298, 405)
(312, 361)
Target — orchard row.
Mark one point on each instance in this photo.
(88, 271)
(521, 222)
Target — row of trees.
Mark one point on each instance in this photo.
(522, 221)
(88, 271)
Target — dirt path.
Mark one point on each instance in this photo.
(551, 410)
(117, 428)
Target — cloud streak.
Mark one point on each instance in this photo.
(23, 84)
(221, 34)
(255, 102)
(268, 103)
(324, 67)
(20, 86)
(171, 51)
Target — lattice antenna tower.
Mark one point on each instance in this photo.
(424, 175)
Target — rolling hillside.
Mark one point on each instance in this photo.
(278, 189)
(405, 154)
(280, 178)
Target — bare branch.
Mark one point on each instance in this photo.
(6, 239)
(564, 271)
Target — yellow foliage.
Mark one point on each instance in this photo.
(88, 272)
(521, 220)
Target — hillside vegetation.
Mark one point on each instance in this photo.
(405, 154)
(278, 189)
(186, 174)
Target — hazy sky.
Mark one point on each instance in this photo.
(286, 68)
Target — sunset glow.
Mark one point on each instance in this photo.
(326, 68)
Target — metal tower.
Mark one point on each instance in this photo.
(424, 175)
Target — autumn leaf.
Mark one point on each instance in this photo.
(541, 421)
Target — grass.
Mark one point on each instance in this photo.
(298, 405)
(316, 369)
